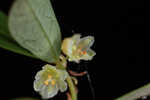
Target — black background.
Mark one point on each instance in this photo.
(121, 43)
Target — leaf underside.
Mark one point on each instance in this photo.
(6, 41)
(34, 26)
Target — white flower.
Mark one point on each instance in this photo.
(77, 48)
(49, 81)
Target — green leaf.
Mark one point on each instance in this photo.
(14, 47)
(133, 95)
(25, 99)
(34, 26)
(4, 25)
(6, 41)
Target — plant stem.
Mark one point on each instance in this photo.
(69, 81)
(72, 88)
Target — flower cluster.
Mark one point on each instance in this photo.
(51, 79)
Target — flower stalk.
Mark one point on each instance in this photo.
(72, 88)
(70, 84)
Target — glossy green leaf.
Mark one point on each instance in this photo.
(8, 44)
(4, 25)
(34, 26)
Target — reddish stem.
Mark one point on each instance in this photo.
(68, 95)
(77, 74)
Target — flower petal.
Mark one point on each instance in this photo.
(49, 91)
(62, 85)
(67, 46)
(49, 70)
(43, 92)
(85, 43)
(89, 55)
(39, 74)
(62, 74)
(37, 85)
(76, 38)
(52, 91)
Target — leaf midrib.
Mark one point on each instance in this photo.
(45, 35)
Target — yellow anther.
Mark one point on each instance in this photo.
(84, 52)
(49, 77)
(53, 82)
(46, 82)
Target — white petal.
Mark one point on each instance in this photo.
(62, 85)
(49, 91)
(37, 85)
(89, 55)
(62, 74)
(86, 42)
(76, 38)
(38, 74)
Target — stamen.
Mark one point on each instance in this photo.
(53, 82)
(46, 82)
(81, 52)
(49, 77)
(84, 52)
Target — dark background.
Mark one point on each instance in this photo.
(121, 43)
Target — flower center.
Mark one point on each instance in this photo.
(49, 79)
(81, 51)
(46, 82)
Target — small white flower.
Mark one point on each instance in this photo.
(49, 81)
(77, 48)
